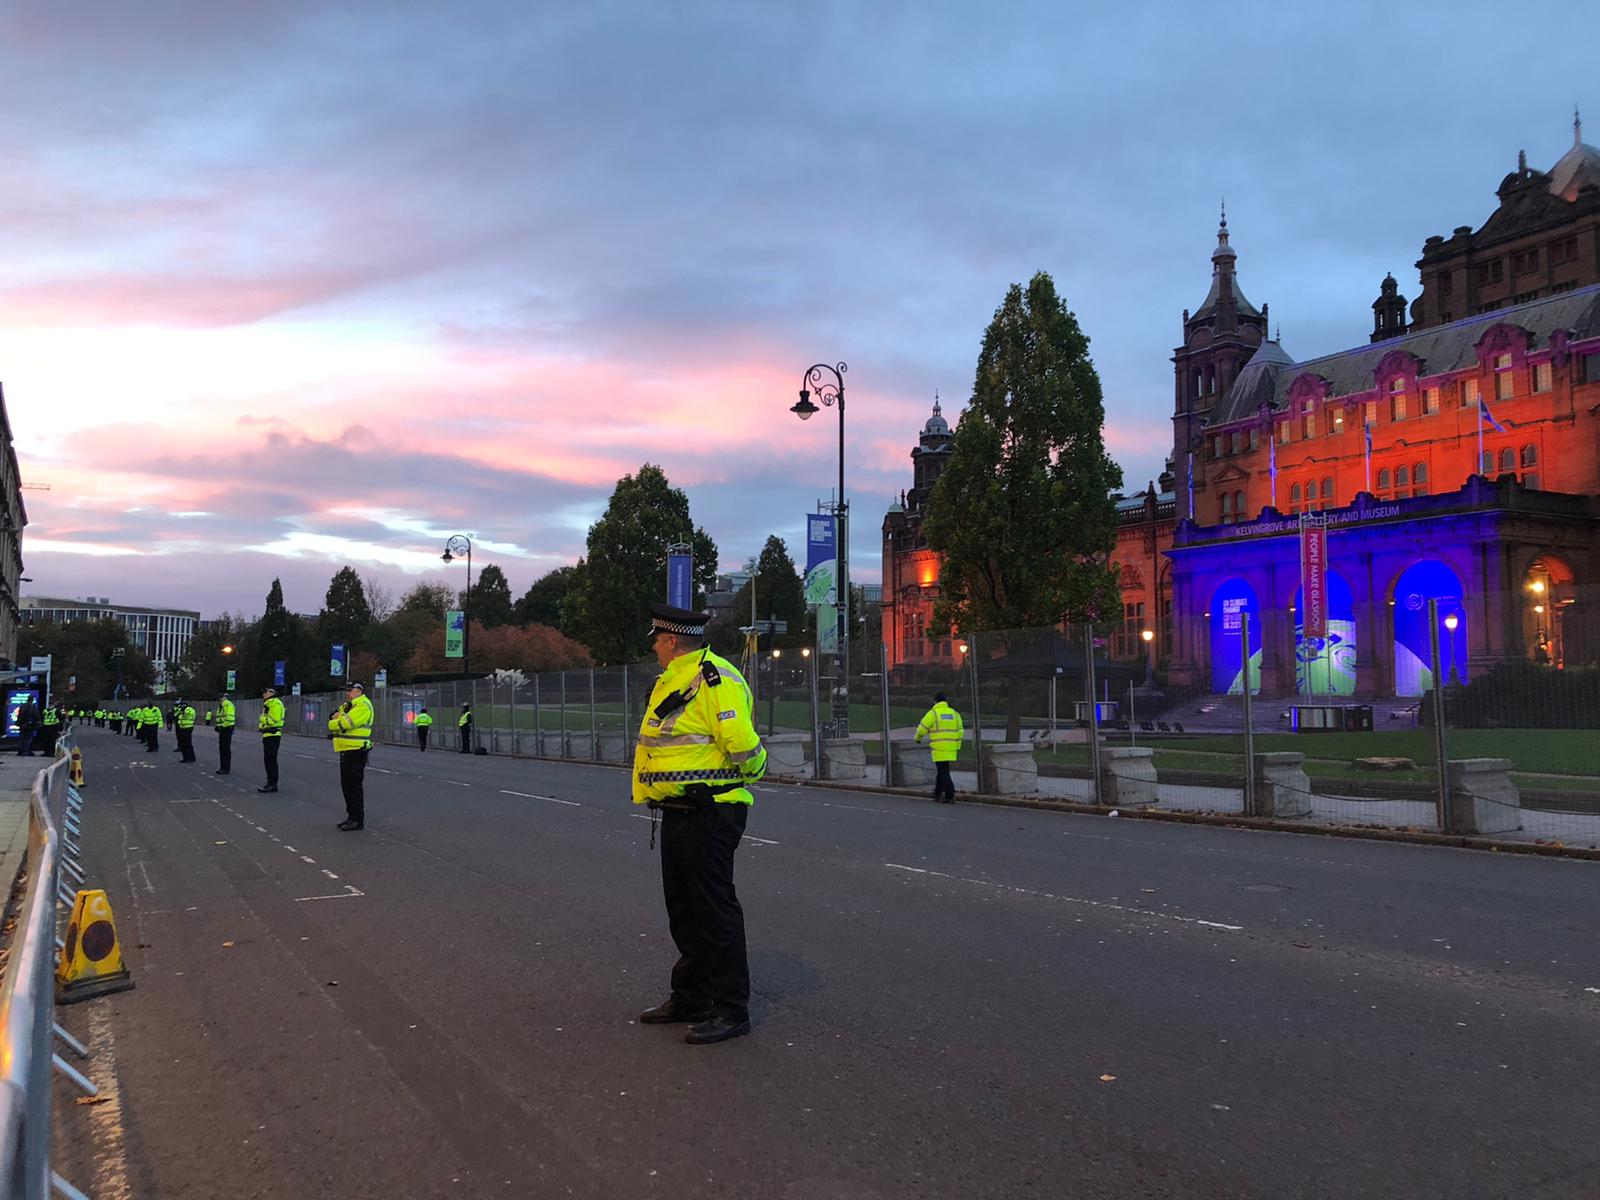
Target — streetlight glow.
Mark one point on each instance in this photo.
(1149, 635)
(1451, 622)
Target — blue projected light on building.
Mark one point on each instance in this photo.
(1327, 666)
(1228, 602)
(1427, 580)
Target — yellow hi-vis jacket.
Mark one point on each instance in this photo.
(226, 715)
(351, 725)
(271, 717)
(941, 725)
(697, 729)
(185, 717)
(423, 720)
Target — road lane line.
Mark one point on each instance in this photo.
(760, 841)
(457, 783)
(533, 796)
(329, 873)
(306, 858)
(1105, 904)
(349, 893)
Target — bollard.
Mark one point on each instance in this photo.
(77, 767)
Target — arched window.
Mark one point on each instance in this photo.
(1488, 464)
(1530, 456)
(1238, 505)
(1383, 480)
(1327, 492)
(1294, 498)
(1227, 508)
(1508, 459)
(1419, 479)
(1311, 490)
(1402, 476)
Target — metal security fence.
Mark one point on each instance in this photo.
(1233, 710)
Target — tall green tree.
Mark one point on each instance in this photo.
(95, 654)
(203, 670)
(345, 611)
(625, 569)
(541, 603)
(489, 600)
(1022, 514)
(276, 637)
(779, 592)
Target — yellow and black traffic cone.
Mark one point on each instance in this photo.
(91, 961)
(77, 767)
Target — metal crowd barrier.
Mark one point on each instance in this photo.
(27, 991)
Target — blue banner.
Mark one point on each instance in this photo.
(680, 580)
(277, 673)
(822, 578)
(336, 667)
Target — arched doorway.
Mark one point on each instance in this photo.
(1548, 594)
(1228, 660)
(1427, 580)
(1326, 666)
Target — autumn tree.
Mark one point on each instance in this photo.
(1022, 514)
(488, 601)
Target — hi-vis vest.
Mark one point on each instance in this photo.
(185, 717)
(51, 716)
(697, 729)
(941, 725)
(351, 725)
(225, 715)
(272, 717)
(423, 720)
(466, 719)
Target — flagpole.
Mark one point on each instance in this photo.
(1366, 451)
(1272, 462)
(1480, 470)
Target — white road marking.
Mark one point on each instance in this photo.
(458, 783)
(532, 796)
(308, 859)
(1105, 904)
(329, 873)
(759, 841)
(110, 1162)
(381, 771)
(348, 894)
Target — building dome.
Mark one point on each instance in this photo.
(1578, 167)
(936, 423)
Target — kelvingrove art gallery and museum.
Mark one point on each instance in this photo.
(1454, 457)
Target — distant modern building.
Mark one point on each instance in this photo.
(162, 633)
(13, 517)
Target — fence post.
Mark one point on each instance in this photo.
(594, 728)
(538, 711)
(816, 725)
(1441, 800)
(977, 710)
(883, 676)
(563, 713)
(1249, 731)
(627, 718)
(1094, 712)
(476, 737)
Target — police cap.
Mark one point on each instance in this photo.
(686, 622)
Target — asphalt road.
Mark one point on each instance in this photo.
(964, 1001)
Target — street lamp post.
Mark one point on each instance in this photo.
(458, 545)
(831, 392)
(772, 691)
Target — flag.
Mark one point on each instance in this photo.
(1191, 484)
(1272, 463)
(1483, 411)
(1366, 430)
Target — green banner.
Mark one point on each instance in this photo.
(455, 633)
(233, 681)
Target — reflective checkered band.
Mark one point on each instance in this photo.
(657, 625)
(690, 776)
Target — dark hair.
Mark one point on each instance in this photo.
(939, 697)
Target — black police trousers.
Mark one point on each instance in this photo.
(703, 912)
(269, 758)
(352, 781)
(225, 748)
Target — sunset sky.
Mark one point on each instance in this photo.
(292, 285)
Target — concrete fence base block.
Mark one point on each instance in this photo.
(1482, 797)
(611, 745)
(844, 759)
(1282, 787)
(911, 764)
(1127, 777)
(786, 754)
(1008, 769)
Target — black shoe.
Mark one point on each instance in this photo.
(349, 826)
(222, 772)
(273, 788)
(669, 1011)
(717, 1029)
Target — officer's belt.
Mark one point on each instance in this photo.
(702, 776)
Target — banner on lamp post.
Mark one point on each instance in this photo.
(455, 633)
(233, 681)
(680, 578)
(336, 665)
(822, 578)
(1313, 577)
(278, 672)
